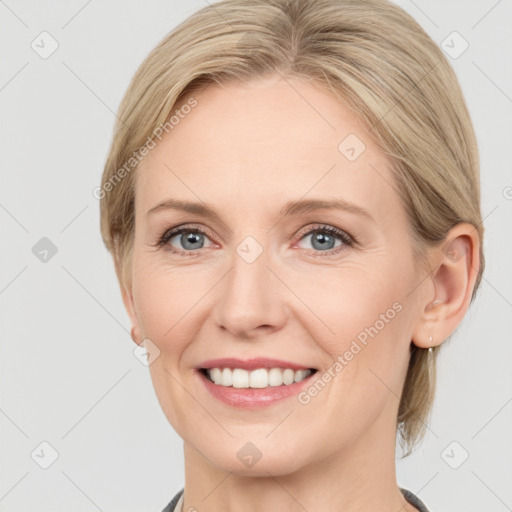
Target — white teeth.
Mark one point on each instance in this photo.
(227, 377)
(288, 376)
(275, 377)
(300, 375)
(216, 376)
(260, 378)
(240, 378)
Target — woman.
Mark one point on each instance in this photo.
(292, 203)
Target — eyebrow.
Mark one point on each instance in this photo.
(311, 205)
(291, 208)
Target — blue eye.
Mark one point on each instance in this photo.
(191, 239)
(323, 240)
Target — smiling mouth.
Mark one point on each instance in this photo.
(257, 379)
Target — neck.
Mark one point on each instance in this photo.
(358, 477)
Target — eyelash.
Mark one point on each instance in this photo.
(347, 239)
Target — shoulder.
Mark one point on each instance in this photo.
(172, 504)
(414, 500)
(408, 495)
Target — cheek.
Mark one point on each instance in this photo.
(362, 321)
(165, 298)
(168, 302)
(343, 302)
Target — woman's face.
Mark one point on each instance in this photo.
(255, 275)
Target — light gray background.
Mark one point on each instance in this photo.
(67, 369)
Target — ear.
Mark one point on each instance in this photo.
(455, 263)
(127, 295)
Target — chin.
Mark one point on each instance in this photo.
(248, 460)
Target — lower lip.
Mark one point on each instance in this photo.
(253, 398)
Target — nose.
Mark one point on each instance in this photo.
(252, 298)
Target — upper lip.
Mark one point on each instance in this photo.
(251, 364)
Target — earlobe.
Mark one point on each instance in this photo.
(453, 279)
(128, 303)
(134, 336)
(127, 296)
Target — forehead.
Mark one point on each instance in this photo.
(266, 142)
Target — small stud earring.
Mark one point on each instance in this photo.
(430, 348)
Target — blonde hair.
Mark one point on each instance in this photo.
(377, 60)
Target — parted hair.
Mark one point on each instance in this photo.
(371, 55)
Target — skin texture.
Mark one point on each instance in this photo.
(247, 150)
